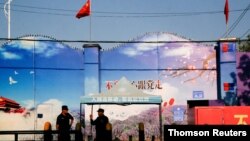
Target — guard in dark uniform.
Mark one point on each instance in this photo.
(100, 125)
(63, 124)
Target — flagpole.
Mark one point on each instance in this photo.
(226, 30)
(90, 28)
(85, 11)
(90, 21)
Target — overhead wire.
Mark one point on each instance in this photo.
(244, 34)
(65, 12)
(41, 8)
(136, 41)
(35, 12)
(111, 14)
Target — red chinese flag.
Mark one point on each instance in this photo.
(226, 11)
(84, 11)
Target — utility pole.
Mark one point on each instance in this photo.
(7, 14)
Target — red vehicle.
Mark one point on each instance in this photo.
(221, 115)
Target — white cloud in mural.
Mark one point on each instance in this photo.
(42, 48)
(59, 45)
(165, 37)
(49, 110)
(46, 49)
(32, 72)
(19, 121)
(170, 37)
(139, 48)
(92, 85)
(28, 104)
(184, 51)
(10, 55)
(51, 52)
(167, 92)
(154, 38)
(55, 103)
(147, 46)
(27, 45)
(131, 52)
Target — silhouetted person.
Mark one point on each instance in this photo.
(100, 125)
(64, 122)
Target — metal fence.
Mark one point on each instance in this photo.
(76, 135)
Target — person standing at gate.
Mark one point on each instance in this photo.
(64, 122)
(100, 125)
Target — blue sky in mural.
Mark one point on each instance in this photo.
(124, 19)
(52, 72)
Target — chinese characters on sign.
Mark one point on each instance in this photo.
(140, 84)
(241, 119)
(120, 99)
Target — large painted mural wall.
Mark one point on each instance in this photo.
(40, 76)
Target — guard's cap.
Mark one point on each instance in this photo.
(64, 107)
(100, 110)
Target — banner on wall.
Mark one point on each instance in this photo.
(122, 93)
